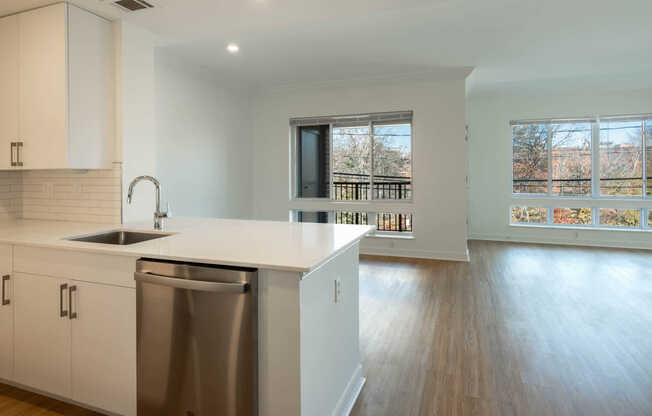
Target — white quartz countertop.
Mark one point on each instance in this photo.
(261, 244)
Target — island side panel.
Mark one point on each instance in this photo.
(278, 343)
(331, 371)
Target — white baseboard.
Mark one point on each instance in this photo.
(351, 392)
(418, 254)
(559, 241)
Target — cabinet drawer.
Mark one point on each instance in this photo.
(70, 264)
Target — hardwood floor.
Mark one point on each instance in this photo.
(15, 402)
(520, 330)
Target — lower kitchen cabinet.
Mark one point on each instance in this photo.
(42, 333)
(6, 315)
(104, 347)
(76, 340)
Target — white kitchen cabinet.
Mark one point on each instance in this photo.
(89, 354)
(104, 347)
(59, 74)
(43, 86)
(6, 315)
(9, 88)
(42, 333)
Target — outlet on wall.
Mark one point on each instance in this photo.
(338, 290)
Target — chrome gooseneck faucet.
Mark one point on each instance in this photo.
(158, 214)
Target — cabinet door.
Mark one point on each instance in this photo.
(9, 88)
(43, 87)
(41, 334)
(104, 347)
(91, 96)
(6, 315)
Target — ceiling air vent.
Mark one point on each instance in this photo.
(132, 5)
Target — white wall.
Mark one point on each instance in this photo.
(177, 123)
(136, 139)
(439, 155)
(489, 114)
(203, 135)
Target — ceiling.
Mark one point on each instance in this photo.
(299, 41)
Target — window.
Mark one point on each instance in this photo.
(530, 158)
(344, 217)
(365, 159)
(351, 163)
(320, 217)
(577, 216)
(529, 215)
(648, 164)
(621, 158)
(384, 221)
(589, 162)
(392, 161)
(313, 176)
(571, 158)
(620, 217)
(387, 221)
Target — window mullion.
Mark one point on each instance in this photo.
(644, 156)
(595, 159)
(371, 170)
(595, 216)
(331, 188)
(371, 219)
(549, 140)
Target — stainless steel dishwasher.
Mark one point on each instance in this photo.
(197, 339)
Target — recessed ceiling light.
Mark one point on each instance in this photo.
(232, 48)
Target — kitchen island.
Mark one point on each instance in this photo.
(309, 362)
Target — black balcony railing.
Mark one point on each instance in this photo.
(385, 221)
(608, 186)
(357, 186)
(345, 217)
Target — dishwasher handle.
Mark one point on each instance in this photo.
(199, 285)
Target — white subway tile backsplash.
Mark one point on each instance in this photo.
(10, 194)
(62, 195)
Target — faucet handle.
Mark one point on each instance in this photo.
(168, 211)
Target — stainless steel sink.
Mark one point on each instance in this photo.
(121, 238)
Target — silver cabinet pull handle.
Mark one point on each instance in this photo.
(5, 301)
(19, 159)
(72, 315)
(199, 285)
(62, 312)
(12, 148)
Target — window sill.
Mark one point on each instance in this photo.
(582, 197)
(579, 227)
(409, 236)
(354, 201)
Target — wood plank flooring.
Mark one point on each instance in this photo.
(520, 330)
(17, 402)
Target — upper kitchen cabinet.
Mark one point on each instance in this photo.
(8, 89)
(57, 66)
